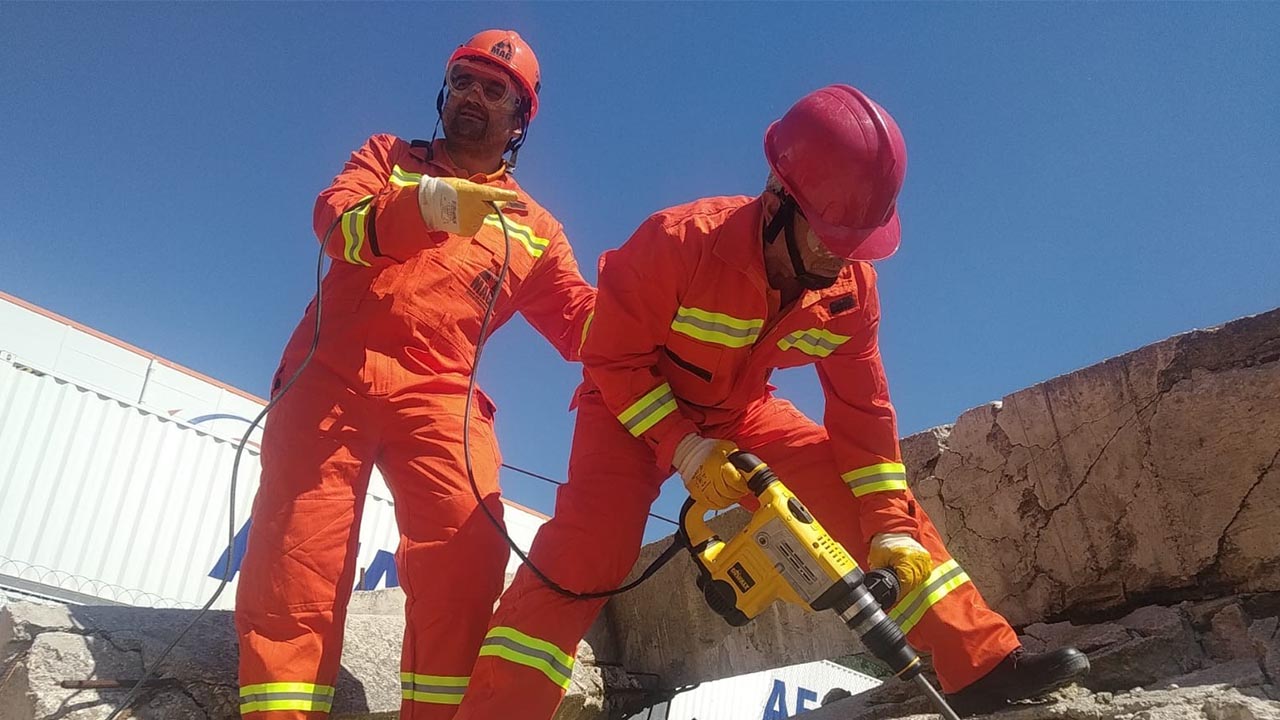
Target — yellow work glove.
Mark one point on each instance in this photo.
(704, 466)
(907, 557)
(457, 206)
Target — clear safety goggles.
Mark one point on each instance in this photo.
(496, 87)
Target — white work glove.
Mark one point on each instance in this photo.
(908, 558)
(703, 464)
(457, 206)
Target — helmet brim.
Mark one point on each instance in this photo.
(867, 246)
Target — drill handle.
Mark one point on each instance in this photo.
(754, 471)
(693, 526)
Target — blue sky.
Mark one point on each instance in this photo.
(1084, 179)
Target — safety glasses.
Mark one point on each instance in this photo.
(495, 85)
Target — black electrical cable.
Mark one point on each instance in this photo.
(676, 541)
(553, 481)
(235, 472)
(466, 444)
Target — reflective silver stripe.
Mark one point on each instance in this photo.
(245, 699)
(714, 327)
(403, 178)
(276, 696)
(354, 232)
(648, 410)
(533, 243)
(433, 689)
(535, 653)
(944, 578)
(881, 477)
(817, 341)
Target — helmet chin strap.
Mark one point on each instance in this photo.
(439, 113)
(782, 221)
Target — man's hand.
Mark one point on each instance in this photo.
(907, 557)
(704, 466)
(457, 206)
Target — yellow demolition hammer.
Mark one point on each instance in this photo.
(783, 553)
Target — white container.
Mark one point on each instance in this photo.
(766, 695)
(115, 488)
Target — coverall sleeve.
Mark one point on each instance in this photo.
(638, 297)
(555, 299)
(864, 429)
(386, 228)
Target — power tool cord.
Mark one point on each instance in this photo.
(235, 474)
(654, 566)
(466, 445)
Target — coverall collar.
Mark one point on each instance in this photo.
(438, 156)
(740, 245)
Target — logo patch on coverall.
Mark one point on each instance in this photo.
(482, 286)
(843, 303)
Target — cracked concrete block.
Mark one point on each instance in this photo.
(1229, 636)
(1243, 673)
(1155, 621)
(1201, 613)
(1087, 638)
(45, 647)
(1264, 635)
(1110, 483)
(1142, 661)
(20, 622)
(388, 601)
(585, 698)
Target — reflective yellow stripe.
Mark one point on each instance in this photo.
(403, 178)
(817, 342)
(437, 689)
(285, 696)
(289, 687)
(354, 224)
(881, 477)
(714, 327)
(585, 327)
(648, 410)
(514, 646)
(263, 706)
(531, 241)
(946, 577)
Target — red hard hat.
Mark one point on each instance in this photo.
(842, 158)
(508, 49)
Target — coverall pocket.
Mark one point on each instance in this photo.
(693, 368)
(485, 406)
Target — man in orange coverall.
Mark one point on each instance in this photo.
(694, 313)
(417, 256)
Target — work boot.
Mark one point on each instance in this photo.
(1020, 676)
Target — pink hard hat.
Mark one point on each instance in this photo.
(842, 158)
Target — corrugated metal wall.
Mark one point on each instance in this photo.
(101, 497)
(115, 467)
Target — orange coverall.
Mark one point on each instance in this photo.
(685, 335)
(401, 311)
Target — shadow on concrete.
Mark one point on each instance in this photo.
(198, 679)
